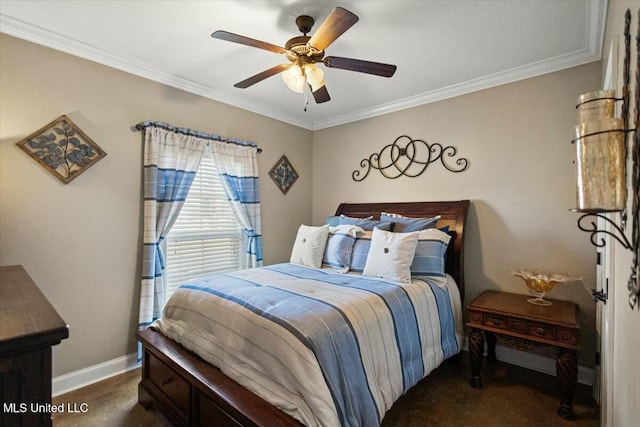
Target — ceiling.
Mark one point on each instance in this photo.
(441, 48)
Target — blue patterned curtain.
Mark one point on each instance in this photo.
(238, 167)
(171, 160)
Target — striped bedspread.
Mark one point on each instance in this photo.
(329, 349)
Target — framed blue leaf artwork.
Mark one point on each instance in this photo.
(62, 148)
(283, 174)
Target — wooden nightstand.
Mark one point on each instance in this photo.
(521, 326)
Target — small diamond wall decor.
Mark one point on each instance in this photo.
(283, 174)
(62, 148)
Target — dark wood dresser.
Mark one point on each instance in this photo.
(29, 327)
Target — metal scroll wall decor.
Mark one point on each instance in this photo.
(408, 157)
(601, 159)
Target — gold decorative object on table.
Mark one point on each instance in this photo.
(541, 282)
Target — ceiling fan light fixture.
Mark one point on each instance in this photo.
(304, 51)
(314, 75)
(294, 78)
(291, 73)
(298, 85)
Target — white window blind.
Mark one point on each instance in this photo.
(206, 237)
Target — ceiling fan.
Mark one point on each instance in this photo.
(303, 52)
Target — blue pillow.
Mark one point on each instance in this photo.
(360, 251)
(332, 221)
(405, 224)
(337, 253)
(429, 259)
(366, 224)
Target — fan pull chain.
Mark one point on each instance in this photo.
(306, 97)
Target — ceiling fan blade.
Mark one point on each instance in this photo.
(361, 66)
(230, 37)
(339, 21)
(321, 95)
(261, 76)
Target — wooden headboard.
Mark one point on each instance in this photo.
(453, 214)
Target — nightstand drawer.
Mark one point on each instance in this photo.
(475, 317)
(495, 321)
(519, 326)
(542, 331)
(568, 336)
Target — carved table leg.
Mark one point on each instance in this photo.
(567, 372)
(491, 345)
(476, 350)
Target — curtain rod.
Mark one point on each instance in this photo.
(204, 135)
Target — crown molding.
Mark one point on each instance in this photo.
(595, 23)
(485, 82)
(47, 38)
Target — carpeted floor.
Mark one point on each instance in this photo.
(511, 396)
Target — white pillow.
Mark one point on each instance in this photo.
(390, 255)
(308, 248)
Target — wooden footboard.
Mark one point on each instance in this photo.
(192, 392)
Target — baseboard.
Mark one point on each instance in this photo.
(541, 364)
(83, 377)
(538, 363)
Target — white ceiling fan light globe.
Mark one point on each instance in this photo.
(315, 75)
(297, 85)
(290, 74)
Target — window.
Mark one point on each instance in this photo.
(206, 237)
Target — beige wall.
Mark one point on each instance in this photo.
(521, 179)
(625, 330)
(80, 242)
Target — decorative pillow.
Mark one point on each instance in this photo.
(429, 259)
(337, 254)
(308, 248)
(332, 221)
(360, 251)
(405, 224)
(353, 217)
(390, 255)
(367, 224)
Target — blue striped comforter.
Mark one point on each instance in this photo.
(329, 349)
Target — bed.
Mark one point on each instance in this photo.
(189, 390)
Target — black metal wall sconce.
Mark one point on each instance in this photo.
(602, 157)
